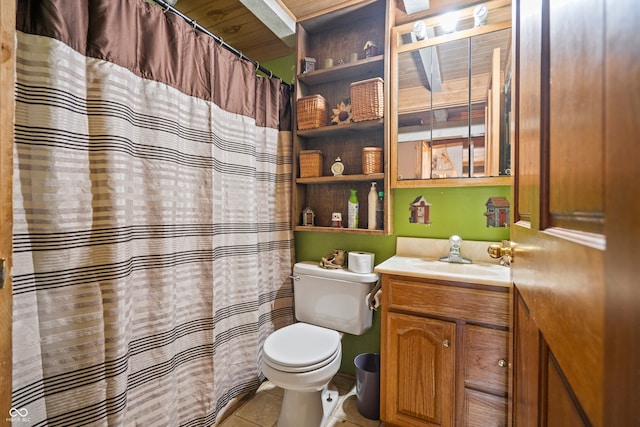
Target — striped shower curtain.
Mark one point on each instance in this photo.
(152, 237)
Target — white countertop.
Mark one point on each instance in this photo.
(419, 257)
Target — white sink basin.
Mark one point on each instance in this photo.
(483, 273)
(458, 269)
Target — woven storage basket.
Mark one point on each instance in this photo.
(312, 112)
(371, 160)
(310, 163)
(367, 99)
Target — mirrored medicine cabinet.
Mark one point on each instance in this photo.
(451, 97)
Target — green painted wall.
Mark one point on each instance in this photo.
(283, 67)
(453, 211)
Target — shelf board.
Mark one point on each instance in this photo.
(343, 129)
(342, 178)
(336, 15)
(356, 71)
(338, 230)
(454, 182)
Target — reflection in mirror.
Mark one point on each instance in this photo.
(452, 107)
(489, 65)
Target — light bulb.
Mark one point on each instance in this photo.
(420, 30)
(448, 22)
(480, 14)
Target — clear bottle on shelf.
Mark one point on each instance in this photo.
(352, 209)
(372, 202)
(380, 211)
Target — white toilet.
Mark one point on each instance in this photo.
(303, 357)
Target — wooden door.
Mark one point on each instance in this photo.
(576, 302)
(7, 73)
(420, 371)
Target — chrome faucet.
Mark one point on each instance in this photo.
(454, 252)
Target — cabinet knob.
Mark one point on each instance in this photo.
(446, 343)
(502, 363)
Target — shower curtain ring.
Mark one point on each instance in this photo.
(270, 74)
(241, 55)
(221, 41)
(167, 8)
(257, 66)
(193, 23)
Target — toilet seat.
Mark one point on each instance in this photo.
(301, 347)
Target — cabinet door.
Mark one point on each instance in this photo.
(485, 359)
(485, 377)
(419, 361)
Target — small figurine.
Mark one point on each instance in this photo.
(334, 260)
(342, 113)
(370, 49)
(308, 65)
(308, 216)
(336, 219)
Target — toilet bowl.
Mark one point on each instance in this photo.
(302, 358)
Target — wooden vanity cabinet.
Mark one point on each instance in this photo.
(444, 353)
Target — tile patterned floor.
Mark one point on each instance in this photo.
(263, 408)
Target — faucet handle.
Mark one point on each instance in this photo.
(504, 251)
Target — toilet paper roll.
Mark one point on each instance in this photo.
(373, 302)
(361, 262)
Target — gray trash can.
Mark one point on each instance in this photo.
(368, 384)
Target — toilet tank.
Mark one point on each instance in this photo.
(334, 299)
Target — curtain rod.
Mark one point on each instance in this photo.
(168, 7)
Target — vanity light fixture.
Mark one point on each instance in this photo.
(448, 22)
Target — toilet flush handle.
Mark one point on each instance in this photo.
(296, 278)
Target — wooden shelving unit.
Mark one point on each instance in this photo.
(337, 35)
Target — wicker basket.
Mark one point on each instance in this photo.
(312, 112)
(371, 160)
(367, 99)
(310, 163)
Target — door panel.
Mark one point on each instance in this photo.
(558, 270)
(565, 294)
(526, 363)
(562, 410)
(576, 158)
(528, 47)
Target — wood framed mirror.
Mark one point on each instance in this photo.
(450, 93)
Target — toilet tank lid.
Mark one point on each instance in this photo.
(313, 268)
